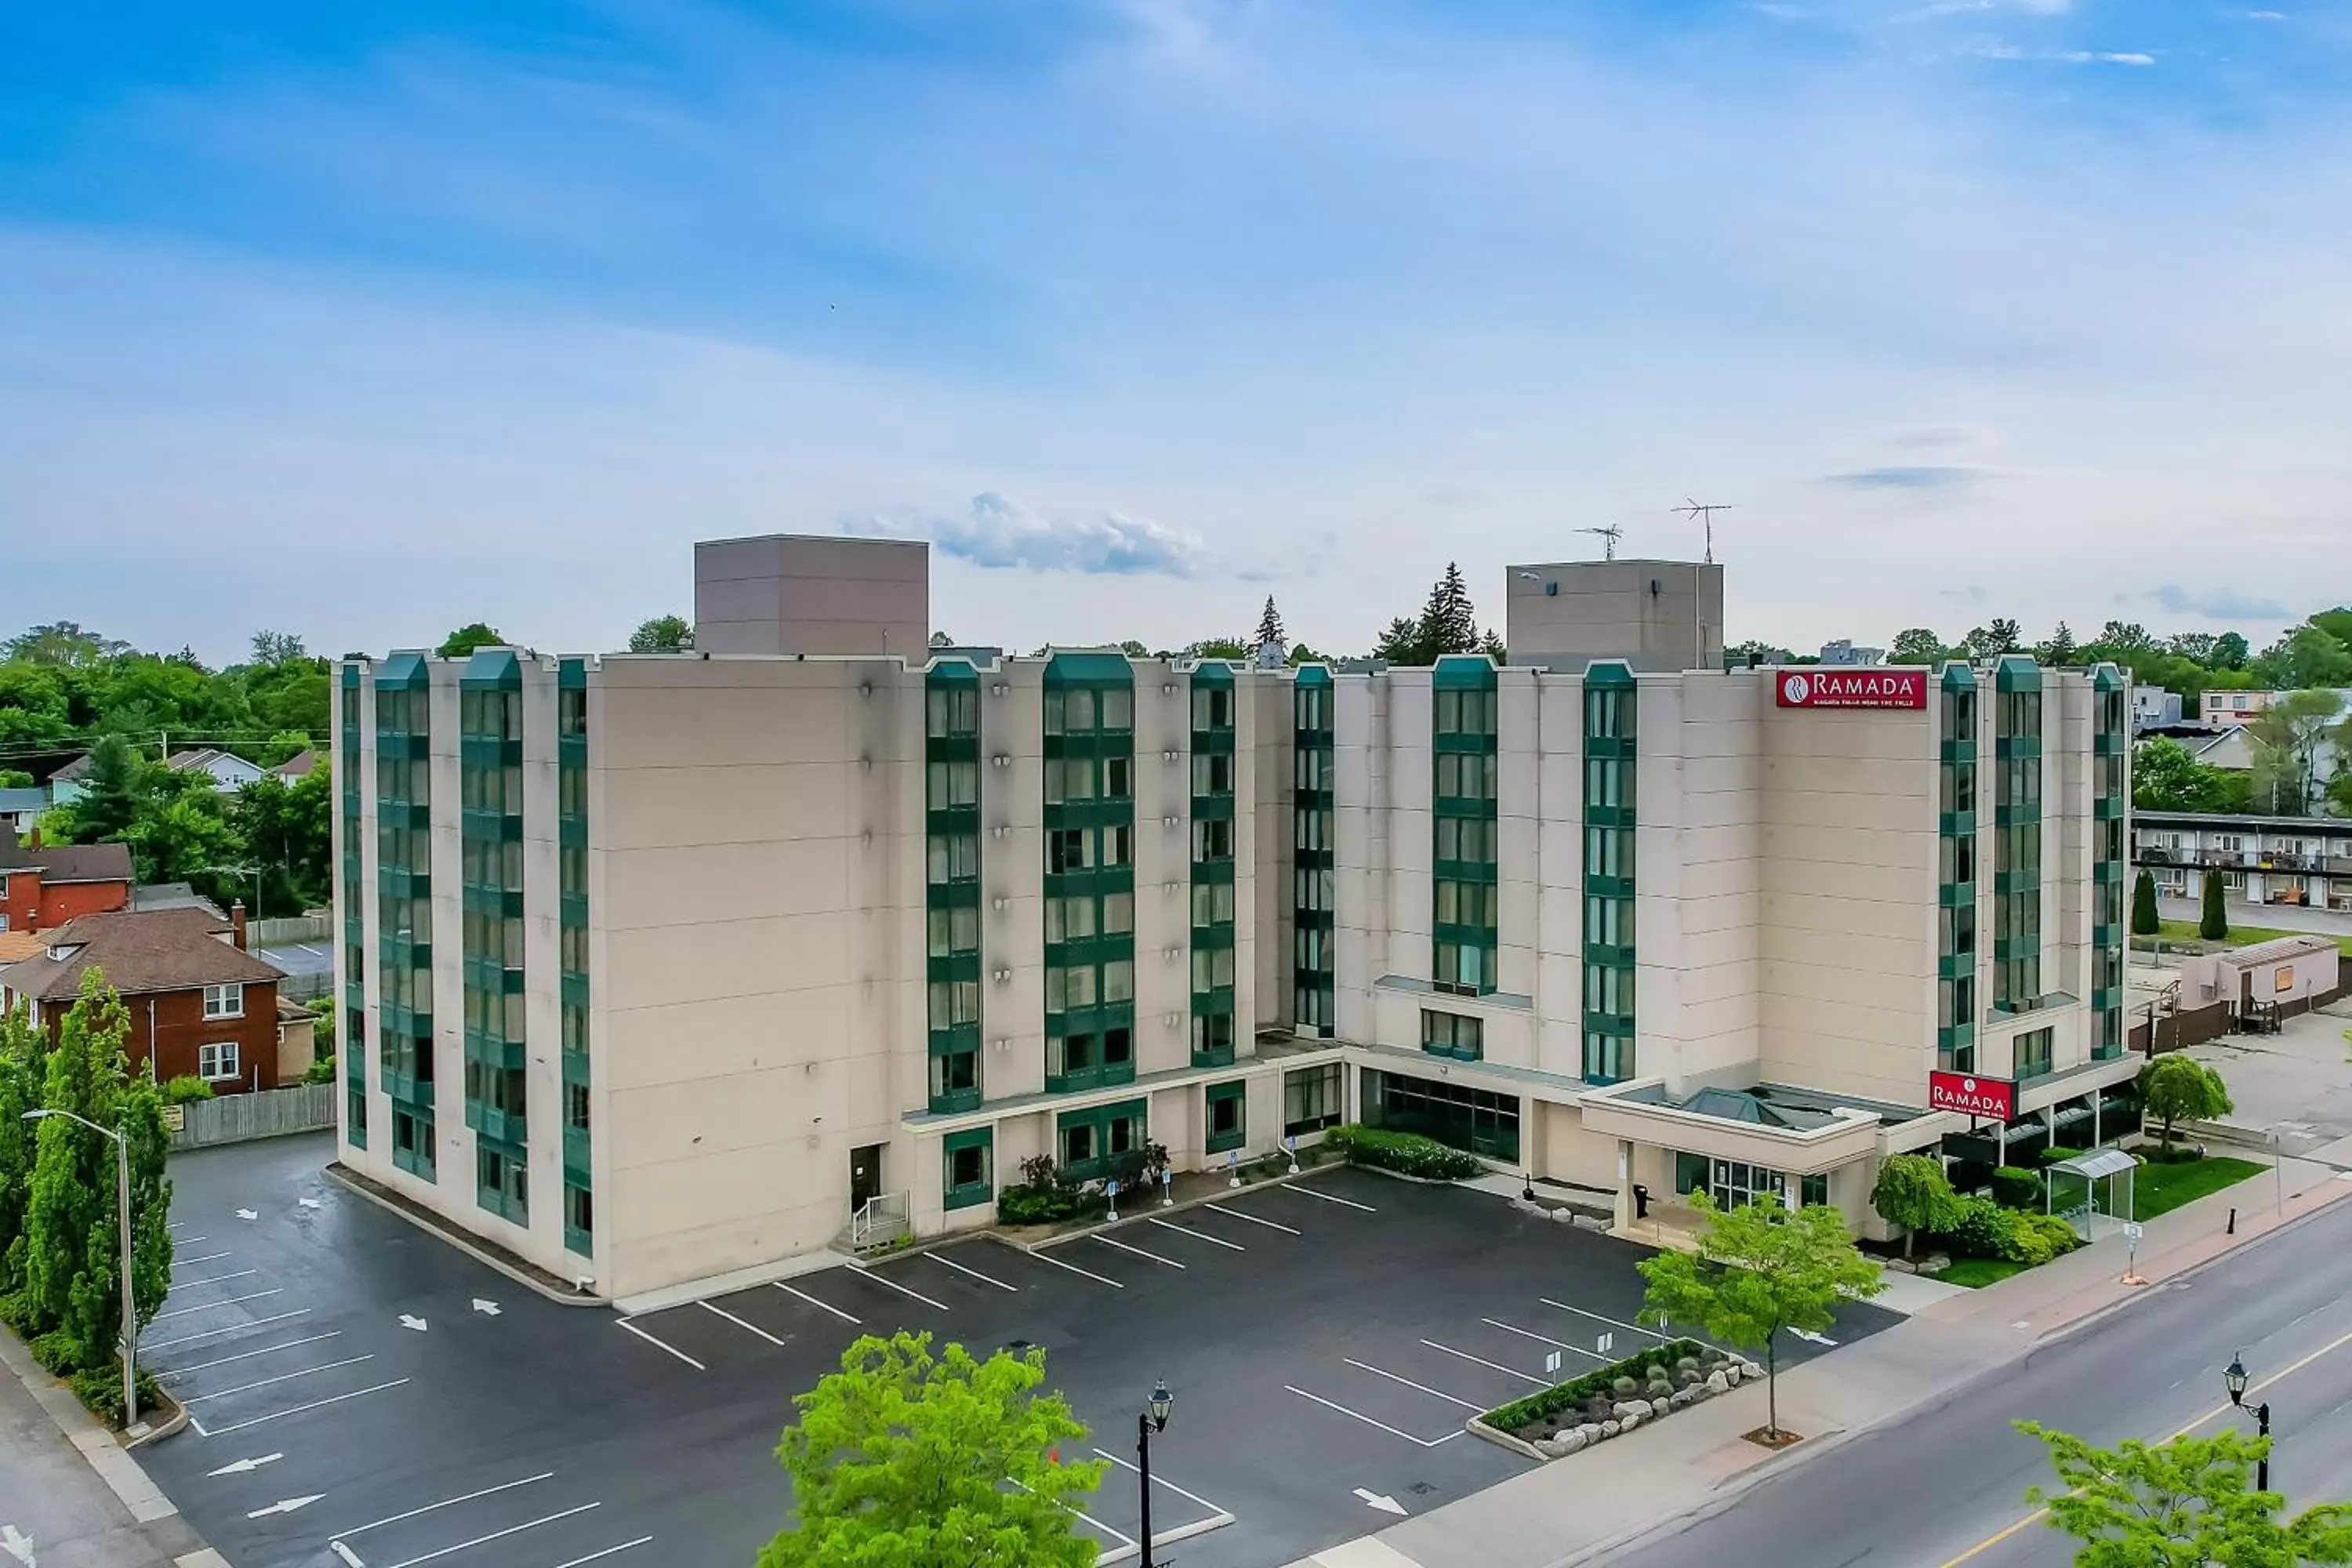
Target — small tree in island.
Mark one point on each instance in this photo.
(2180, 1088)
(1759, 1270)
(1914, 1192)
(2188, 1502)
(902, 1457)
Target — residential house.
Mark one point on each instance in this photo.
(2300, 861)
(199, 1003)
(295, 767)
(2154, 708)
(20, 811)
(68, 784)
(44, 886)
(230, 773)
(2235, 707)
(1845, 650)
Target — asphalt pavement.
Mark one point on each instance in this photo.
(1946, 1486)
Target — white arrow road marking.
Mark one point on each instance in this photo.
(1385, 1504)
(246, 1466)
(285, 1505)
(16, 1544)
(487, 1308)
(1812, 1338)
(248, 1214)
(406, 1321)
(307, 1203)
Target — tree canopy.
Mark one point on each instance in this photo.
(2182, 1504)
(2166, 776)
(467, 638)
(668, 634)
(1269, 626)
(1913, 1192)
(1448, 624)
(2180, 1088)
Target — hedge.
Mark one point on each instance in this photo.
(1982, 1228)
(1044, 1205)
(1577, 1390)
(2015, 1187)
(1406, 1153)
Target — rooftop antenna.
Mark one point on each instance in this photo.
(1705, 511)
(1609, 534)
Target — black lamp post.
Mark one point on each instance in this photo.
(1147, 1422)
(2234, 1379)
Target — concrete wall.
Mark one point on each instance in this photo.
(1654, 614)
(803, 593)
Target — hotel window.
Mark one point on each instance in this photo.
(968, 1159)
(1212, 708)
(2033, 1053)
(1213, 772)
(951, 711)
(1212, 839)
(1213, 903)
(1212, 967)
(955, 929)
(1312, 1099)
(1452, 1035)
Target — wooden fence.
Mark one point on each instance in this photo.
(238, 1118)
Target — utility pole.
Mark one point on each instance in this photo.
(1705, 511)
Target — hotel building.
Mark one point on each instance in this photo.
(660, 967)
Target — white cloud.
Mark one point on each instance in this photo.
(998, 533)
(2092, 56)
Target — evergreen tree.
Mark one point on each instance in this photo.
(1448, 624)
(2059, 650)
(2214, 923)
(1401, 644)
(73, 1176)
(1269, 626)
(2144, 922)
(24, 1065)
(110, 792)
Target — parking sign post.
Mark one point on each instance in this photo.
(1167, 1187)
(1290, 1147)
(1110, 1193)
(1233, 1165)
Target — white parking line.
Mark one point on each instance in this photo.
(192, 1262)
(445, 1502)
(1085, 1517)
(1161, 1480)
(216, 1306)
(1612, 1322)
(1042, 1256)
(608, 1551)
(1331, 1404)
(267, 1382)
(216, 1334)
(820, 1306)
(1420, 1388)
(658, 1345)
(1507, 1372)
(497, 1535)
(951, 1263)
(1251, 1218)
(213, 1279)
(1541, 1339)
(864, 1272)
(1139, 1252)
(1303, 1190)
(315, 1405)
(1200, 1235)
(247, 1355)
(754, 1328)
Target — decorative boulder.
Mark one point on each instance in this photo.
(1632, 1419)
(1591, 1432)
(1659, 1406)
(1718, 1383)
(1611, 1429)
(1570, 1441)
(1751, 1372)
(1551, 1448)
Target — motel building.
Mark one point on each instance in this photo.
(658, 968)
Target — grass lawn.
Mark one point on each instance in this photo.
(2161, 1189)
(1976, 1272)
(2239, 936)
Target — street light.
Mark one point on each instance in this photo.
(2234, 1378)
(122, 1223)
(1147, 1422)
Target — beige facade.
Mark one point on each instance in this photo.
(1652, 615)
(801, 594)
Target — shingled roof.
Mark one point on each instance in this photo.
(60, 863)
(140, 952)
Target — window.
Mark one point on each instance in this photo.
(951, 711)
(1958, 931)
(1070, 918)
(968, 1177)
(1212, 708)
(1466, 713)
(1609, 852)
(501, 1183)
(1118, 709)
(1212, 773)
(1212, 967)
(1609, 713)
(1465, 776)
(1118, 980)
(1118, 777)
(1118, 1048)
(1465, 968)
(576, 1107)
(1452, 1035)
(216, 1061)
(1608, 782)
(1213, 903)
(1116, 845)
(1314, 888)
(1213, 1036)
(1608, 922)
(411, 1142)
(1212, 839)
(1956, 858)
(1466, 903)
(1068, 849)
(955, 1003)
(1959, 786)
(1315, 829)
(2033, 1053)
(1226, 1106)
(954, 784)
(1311, 768)
(1464, 839)
(954, 929)
(1312, 1099)
(579, 1219)
(225, 1001)
(1608, 989)
(955, 1076)
(1068, 988)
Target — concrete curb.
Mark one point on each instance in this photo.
(173, 1423)
(108, 1459)
(343, 1179)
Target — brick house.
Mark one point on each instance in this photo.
(43, 887)
(199, 1004)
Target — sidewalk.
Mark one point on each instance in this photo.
(1572, 1509)
(70, 1495)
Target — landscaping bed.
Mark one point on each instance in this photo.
(1610, 1401)
(1402, 1153)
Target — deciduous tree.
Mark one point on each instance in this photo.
(905, 1459)
(662, 633)
(1920, 645)
(2180, 1088)
(467, 638)
(1914, 1192)
(1759, 1270)
(2182, 1504)
(2166, 776)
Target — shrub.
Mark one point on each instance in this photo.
(321, 1070)
(1985, 1229)
(101, 1390)
(2036, 1238)
(1979, 1229)
(2015, 1187)
(1575, 1393)
(1028, 1205)
(1406, 1153)
(181, 1090)
(2057, 1151)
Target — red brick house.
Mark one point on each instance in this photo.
(43, 887)
(199, 1004)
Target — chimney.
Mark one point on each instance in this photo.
(36, 843)
(237, 924)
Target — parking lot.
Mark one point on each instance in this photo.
(368, 1397)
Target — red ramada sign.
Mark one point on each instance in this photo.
(1993, 1098)
(1826, 686)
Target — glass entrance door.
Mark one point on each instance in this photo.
(1734, 1185)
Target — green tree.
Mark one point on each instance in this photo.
(2213, 916)
(24, 1067)
(1914, 1192)
(1401, 644)
(1919, 645)
(467, 638)
(182, 833)
(1448, 623)
(2187, 1503)
(63, 643)
(1269, 625)
(2228, 652)
(273, 650)
(2304, 659)
(110, 791)
(2003, 636)
(1218, 647)
(665, 634)
(2180, 1088)
(2166, 776)
(901, 1460)
(2285, 738)
(2058, 649)
(2144, 921)
(288, 830)
(1742, 653)
(1759, 1270)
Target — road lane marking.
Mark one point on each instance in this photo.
(248, 1355)
(1200, 1235)
(1043, 1257)
(1424, 1388)
(1332, 1404)
(1303, 1190)
(216, 1334)
(445, 1502)
(1139, 1251)
(608, 1551)
(1995, 1539)
(216, 1306)
(1531, 1334)
(659, 1345)
(951, 1263)
(820, 1306)
(497, 1535)
(865, 1273)
(1495, 1366)
(282, 1377)
(314, 1404)
(1254, 1219)
(754, 1328)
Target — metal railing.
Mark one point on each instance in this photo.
(882, 1217)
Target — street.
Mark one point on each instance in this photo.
(1945, 1485)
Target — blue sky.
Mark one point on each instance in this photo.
(367, 318)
